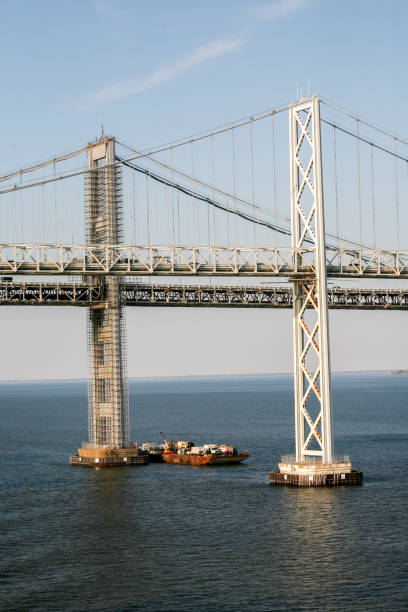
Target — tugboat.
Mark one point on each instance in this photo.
(155, 451)
(184, 452)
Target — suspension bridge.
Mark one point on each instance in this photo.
(199, 222)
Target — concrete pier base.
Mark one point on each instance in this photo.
(316, 474)
(109, 457)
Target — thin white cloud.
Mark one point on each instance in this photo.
(108, 10)
(168, 73)
(279, 9)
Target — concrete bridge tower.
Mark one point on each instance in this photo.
(108, 403)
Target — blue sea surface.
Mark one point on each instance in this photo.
(166, 537)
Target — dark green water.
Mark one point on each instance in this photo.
(164, 537)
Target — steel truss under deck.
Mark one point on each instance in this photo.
(138, 294)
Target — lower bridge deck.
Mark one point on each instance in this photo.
(182, 295)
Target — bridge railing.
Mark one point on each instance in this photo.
(312, 460)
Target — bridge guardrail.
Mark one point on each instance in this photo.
(122, 260)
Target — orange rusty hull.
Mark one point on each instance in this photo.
(179, 459)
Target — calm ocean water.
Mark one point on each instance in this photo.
(164, 537)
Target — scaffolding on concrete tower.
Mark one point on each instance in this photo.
(108, 404)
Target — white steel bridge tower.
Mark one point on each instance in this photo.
(314, 463)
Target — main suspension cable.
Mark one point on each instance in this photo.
(364, 122)
(197, 196)
(44, 164)
(226, 208)
(366, 140)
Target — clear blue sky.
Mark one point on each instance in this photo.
(59, 60)
(156, 71)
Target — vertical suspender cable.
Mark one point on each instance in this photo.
(151, 220)
(39, 215)
(228, 221)
(134, 206)
(396, 193)
(15, 216)
(372, 194)
(43, 212)
(7, 234)
(61, 208)
(70, 204)
(4, 226)
(178, 218)
(172, 197)
(149, 236)
(336, 186)
(253, 178)
(194, 187)
(209, 221)
(132, 210)
(228, 224)
(151, 217)
(55, 206)
(359, 182)
(213, 184)
(234, 186)
(275, 186)
(21, 209)
(167, 208)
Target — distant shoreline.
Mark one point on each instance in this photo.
(202, 376)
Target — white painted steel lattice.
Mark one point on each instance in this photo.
(165, 260)
(310, 318)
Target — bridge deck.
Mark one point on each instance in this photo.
(142, 294)
(91, 260)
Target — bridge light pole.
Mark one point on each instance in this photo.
(314, 463)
